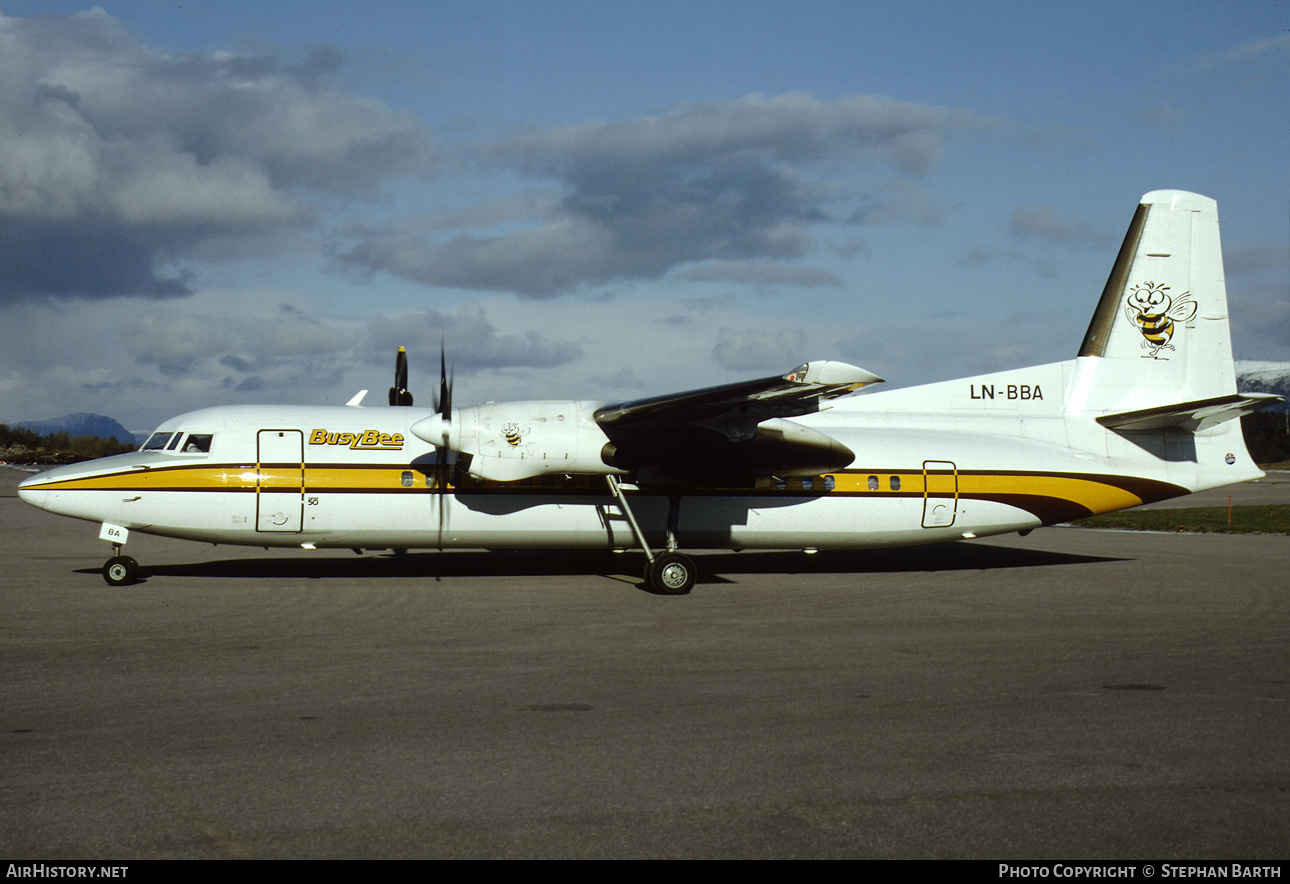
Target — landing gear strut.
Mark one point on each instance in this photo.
(668, 573)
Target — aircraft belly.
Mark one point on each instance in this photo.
(716, 522)
(838, 523)
(474, 521)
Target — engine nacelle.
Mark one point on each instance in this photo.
(510, 441)
(697, 454)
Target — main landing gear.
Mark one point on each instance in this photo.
(668, 573)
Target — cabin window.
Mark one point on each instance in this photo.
(780, 484)
(895, 483)
(157, 442)
(407, 479)
(829, 483)
(808, 483)
(873, 483)
(198, 443)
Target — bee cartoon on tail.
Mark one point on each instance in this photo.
(1153, 312)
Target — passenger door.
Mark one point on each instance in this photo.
(280, 485)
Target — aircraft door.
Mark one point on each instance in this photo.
(940, 493)
(280, 488)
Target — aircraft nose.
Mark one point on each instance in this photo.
(33, 495)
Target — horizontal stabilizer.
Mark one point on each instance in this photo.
(1190, 416)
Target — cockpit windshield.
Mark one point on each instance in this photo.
(157, 441)
(179, 443)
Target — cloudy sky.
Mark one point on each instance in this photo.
(209, 203)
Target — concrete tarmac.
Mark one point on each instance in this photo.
(1071, 694)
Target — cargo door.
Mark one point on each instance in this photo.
(940, 493)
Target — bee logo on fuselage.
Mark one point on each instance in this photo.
(368, 440)
(1154, 313)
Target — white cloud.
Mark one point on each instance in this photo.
(742, 180)
(1249, 51)
(761, 274)
(756, 350)
(116, 157)
(470, 340)
(1041, 222)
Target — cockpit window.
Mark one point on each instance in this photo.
(157, 441)
(180, 443)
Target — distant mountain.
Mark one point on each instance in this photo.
(1264, 377)
(80, 424)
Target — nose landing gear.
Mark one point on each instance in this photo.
(121, 570)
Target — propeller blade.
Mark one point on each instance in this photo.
(445, 385)
(444, 407)
(399, 394)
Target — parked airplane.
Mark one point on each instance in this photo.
(1145, 412)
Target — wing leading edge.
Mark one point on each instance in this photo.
(796, 393)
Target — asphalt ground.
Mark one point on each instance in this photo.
(1072, 694)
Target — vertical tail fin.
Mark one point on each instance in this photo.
(1156, 367)
(1160, 335)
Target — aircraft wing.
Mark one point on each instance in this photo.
(796, 393)
(734, 430)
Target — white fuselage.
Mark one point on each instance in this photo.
(982, 456)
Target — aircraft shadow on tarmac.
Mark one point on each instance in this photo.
(714, 567)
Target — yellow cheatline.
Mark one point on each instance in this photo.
(1095, 495)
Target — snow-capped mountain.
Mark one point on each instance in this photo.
(1264, 377)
